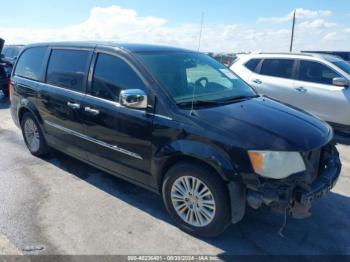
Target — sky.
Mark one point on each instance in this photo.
(228, 26)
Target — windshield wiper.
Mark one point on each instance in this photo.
(238, 98)
(200, 103)
(216, 102)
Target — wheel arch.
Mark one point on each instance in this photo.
(28, 106)
(195, 152)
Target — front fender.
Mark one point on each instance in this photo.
(209, 154)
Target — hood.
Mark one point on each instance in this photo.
(264, 124)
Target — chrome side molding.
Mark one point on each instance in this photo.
(93, 140)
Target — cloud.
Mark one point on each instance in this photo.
(126, 25)
(330, 36)
(317, 24)
(300, 14)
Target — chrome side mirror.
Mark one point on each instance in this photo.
(340, 81)
(133, 98)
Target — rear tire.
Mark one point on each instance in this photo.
(197, 199)
(33, 136)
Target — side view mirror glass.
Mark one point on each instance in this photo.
(133, 98)
(340, 81)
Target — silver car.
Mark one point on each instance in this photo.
(316, 83)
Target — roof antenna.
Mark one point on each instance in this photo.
(199, 46)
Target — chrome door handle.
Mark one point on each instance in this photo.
(73, 105)
(92, 111)
(257, 81)
(301, 89)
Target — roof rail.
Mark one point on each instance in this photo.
(285, 53)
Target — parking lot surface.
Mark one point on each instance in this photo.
(59, 205)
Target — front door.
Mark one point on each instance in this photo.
(119, 137)
(316, 94)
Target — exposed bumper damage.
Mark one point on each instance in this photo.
(296, 193)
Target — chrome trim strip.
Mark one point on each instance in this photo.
(161, 116)
(93, 140)
(117, 104)
(63, 89)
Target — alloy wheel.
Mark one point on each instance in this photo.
(32, 135)
(193, 201)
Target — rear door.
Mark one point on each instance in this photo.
(61, 98)
(317, 95)
(119, 138)
(274, 78)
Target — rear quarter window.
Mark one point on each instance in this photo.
(67, 69)
(30, 64)
(252, 64)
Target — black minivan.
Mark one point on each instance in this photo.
(176, 122)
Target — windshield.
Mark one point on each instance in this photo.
(343, 66)
(187, 74)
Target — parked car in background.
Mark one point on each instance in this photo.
(5, 72)
(342, 54)
(176, 122)
(10, 53)
(316, 83)
(223, 58)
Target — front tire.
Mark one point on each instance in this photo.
(197, 199)
(33, 135)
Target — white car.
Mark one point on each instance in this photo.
(316, 83)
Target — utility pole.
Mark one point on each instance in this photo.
(292, 38)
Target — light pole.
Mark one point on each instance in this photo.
(292, 38)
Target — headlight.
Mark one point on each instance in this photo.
(277, 165)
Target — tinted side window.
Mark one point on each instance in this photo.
(277, 67)
(30, 63)
(67, 68)
(316, 72)
(252, 64)
(112, 74)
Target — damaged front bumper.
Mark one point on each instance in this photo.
(296, 193)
